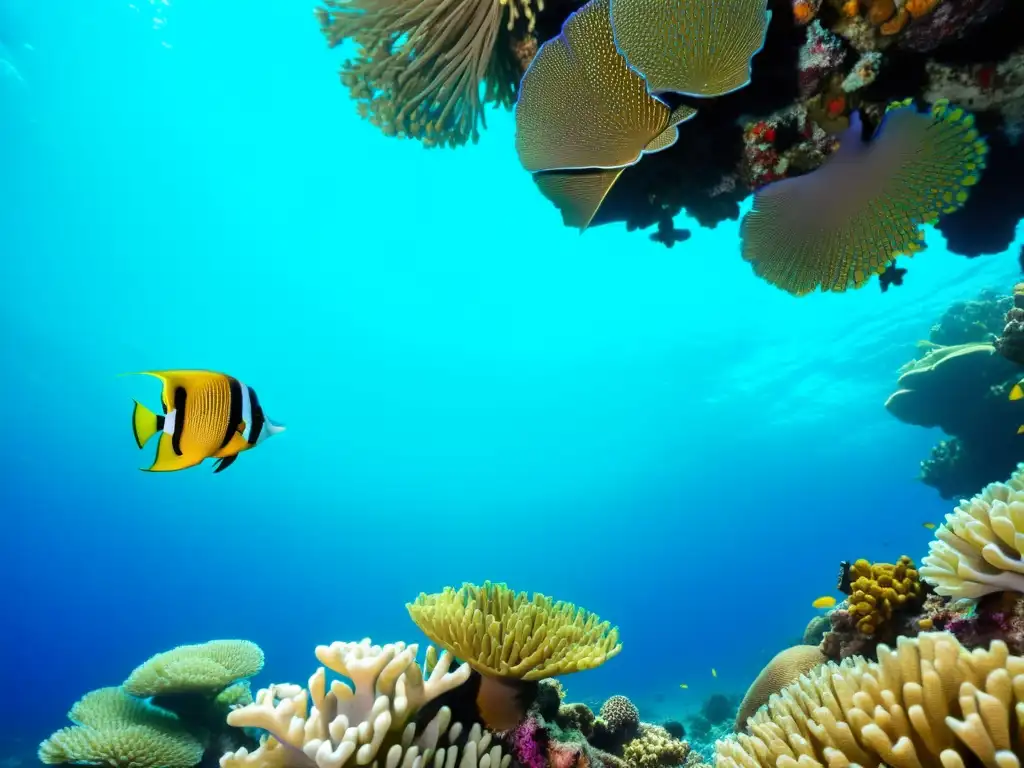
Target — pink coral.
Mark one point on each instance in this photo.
(525, 744)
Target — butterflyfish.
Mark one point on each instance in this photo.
(827, 601)
(206, 415)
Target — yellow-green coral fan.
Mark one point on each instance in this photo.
(420, 63)
(203, 668)
(580, 105)
(696, 47)
(370, 722)
(113, 728)
(929, 703)
(979, 549)
(837, 226)
(504, 634)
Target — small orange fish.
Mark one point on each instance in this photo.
(929, 526)
(826, 601)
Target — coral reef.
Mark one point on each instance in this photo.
(191, 689)
(418, 68)
(891, 712)
(1010, 341)
(963, 388)
(878, 590)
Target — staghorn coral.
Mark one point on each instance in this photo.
(979, 549)
(655, 748)
(504, 634)
(928, 702)
(419, 65)
(835, 228)
(691, 46)
(782, 670)
(878, 590)
(371, 722)
(204, 668)
(115, 729)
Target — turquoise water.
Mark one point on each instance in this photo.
(472, 391)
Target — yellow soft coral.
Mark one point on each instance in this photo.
(880, 589)
(655, 748)
(930, 702)
(113, 728)
(204, 668)
(980, 547)
(505, 634)
(372, 722)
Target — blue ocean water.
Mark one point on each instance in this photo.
(472, 391)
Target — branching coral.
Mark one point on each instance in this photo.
(371, 721)
(419, 65)
(980, 547)
(929, 702)
(877, 590)
(504, 634)
(115, 729)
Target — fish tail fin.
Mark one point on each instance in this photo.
(145, 424)
(1016, 393)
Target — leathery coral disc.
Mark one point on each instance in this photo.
(580, 105)
(504, 634)
(839, 225)
(696, 47)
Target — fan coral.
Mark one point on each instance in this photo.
(655, 748)
(113, 728)
(784, 668)
(204, 668)
(928, 702)
(980, 547)
(877, 590)
(371, 721)
(505, 634)
(581, 107)
(691, 46)
(834, 228)
(419, 65)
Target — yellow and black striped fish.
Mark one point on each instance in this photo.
(207, 415)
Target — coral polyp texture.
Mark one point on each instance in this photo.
(979, 549)
(420, 64)
(784, 668)
(370, 722)
(505, 634)
(878, 590)
(927, 702)
(195, 668)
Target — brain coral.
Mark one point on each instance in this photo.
(620, 714)
(930, 702)
(980, 547)
(784, 668)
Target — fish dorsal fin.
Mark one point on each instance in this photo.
(670, 135)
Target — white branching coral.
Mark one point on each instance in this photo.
(929, 703)
(980, 547)
(371, 722)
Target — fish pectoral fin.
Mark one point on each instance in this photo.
(167, 460)
(224, 463)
